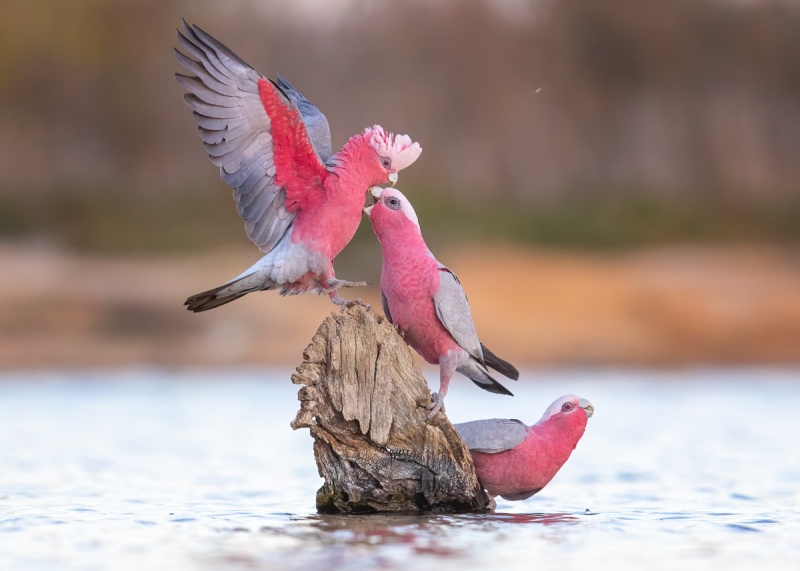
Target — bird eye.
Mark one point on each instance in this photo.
(393, 203)
(386, 163)
(567, 406)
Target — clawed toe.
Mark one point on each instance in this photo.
(435, 405)
(341, 302)
(334, 285)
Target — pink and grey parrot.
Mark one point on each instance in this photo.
(425, 300)
(300, 202)
(515, 461)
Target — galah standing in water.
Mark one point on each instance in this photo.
(301, 203)
(426, 302)
(515, 461)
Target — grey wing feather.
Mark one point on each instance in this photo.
(493, 435)
(236, 131)
(452, 308)
(316, 123)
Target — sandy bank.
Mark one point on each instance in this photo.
(654, 307)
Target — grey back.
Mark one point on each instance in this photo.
(493, 435)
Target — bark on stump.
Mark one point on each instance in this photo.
(364, 404)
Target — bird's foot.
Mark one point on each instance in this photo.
(436, 405)
(344, 304)
(340, 301)
(492, 505)
(335, 284)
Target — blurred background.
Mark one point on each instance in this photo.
(614, 183)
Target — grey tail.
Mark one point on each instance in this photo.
(501, 366)
(209, 300)
(478, 374)
(220, 296)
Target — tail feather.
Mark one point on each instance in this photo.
(209, 300)
(500, 365)
(479, 375)
(223, 294)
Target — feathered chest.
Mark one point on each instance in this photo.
(333, 221)
(409, 277)
(409, 282)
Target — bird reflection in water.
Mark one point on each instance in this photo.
(423, 534)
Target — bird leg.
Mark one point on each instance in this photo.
(447, 366)
(332, 290)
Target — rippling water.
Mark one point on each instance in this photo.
(163, 470)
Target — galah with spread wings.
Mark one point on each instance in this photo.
(426, 302)
(300, 202)
(515, 461)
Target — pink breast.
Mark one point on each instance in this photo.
(529, 466)
(331, 225)
(408, 282)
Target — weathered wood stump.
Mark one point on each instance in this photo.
(364, 404)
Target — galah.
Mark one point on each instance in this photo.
(301, 203)
(515, 461)
(424, 300)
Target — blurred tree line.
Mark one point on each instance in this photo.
(577, 122)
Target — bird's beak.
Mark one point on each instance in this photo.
(587, 406)
(375, 193)
(393, 178)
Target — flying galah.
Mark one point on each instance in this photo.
(300, 202)
(515, 461)
(426, 302)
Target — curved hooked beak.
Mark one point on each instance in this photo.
(375, 192)
(587, 406)
(393, 178)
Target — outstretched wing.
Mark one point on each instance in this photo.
(316, 123)
(453, 311)
(254, 132)
(493, 435)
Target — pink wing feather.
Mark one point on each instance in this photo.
(254, 133)
(298, 168)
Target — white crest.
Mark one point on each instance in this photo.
(400, 149)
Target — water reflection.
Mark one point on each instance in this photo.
(386, 540)
(380, 541)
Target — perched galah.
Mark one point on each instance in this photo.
(515, 461)
(301, 203)
(426, 302)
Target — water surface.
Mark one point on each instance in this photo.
(155, 469)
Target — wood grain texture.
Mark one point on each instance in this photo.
(364, 404)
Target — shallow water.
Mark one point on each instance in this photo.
(155, 469)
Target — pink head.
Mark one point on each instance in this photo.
(392, 153)
(391, 213)
(567, 417)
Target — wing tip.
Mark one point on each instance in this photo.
(494, 387)
(500, 365)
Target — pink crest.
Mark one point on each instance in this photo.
(400, 149)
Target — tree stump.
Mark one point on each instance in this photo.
(364, 403)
